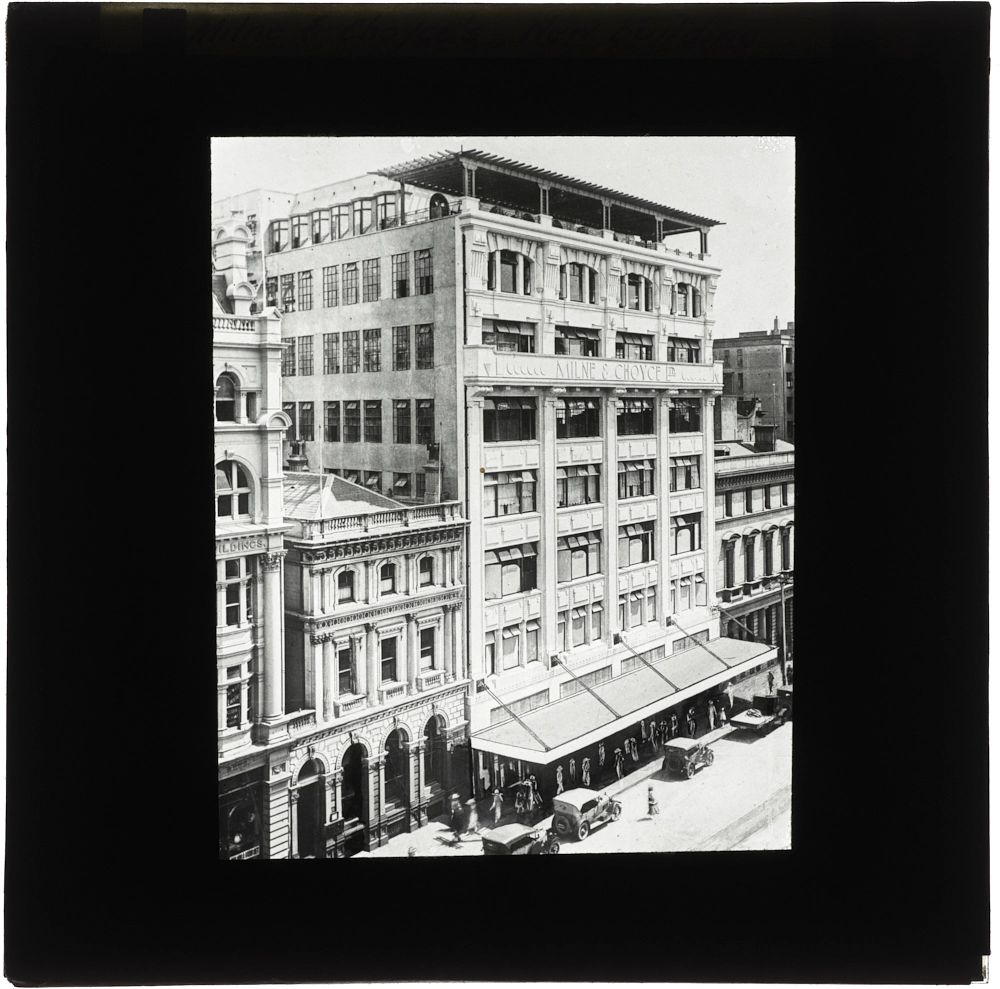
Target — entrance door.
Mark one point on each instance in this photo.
(396, 768)
(310, 812)
(351, 787)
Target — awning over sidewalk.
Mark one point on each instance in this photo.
(573, 722)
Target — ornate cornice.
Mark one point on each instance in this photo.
(739, 479)
(368, 546)
(407, 606)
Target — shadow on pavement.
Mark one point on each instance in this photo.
(744, 736)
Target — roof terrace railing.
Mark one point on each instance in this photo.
(238, 323)
(377, 522)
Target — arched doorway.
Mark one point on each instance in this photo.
(351, 789)
(396, 771)
(435, 753)
(439, 205)
(310, 811)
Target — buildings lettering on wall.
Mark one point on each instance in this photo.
(467, 328)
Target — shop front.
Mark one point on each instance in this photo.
(241, 799)
(592, 738)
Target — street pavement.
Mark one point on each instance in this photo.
(741, 801)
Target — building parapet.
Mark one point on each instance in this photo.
(261, 328)
(753, 462)
(416, 517)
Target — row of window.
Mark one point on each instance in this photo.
(227, 401)
(515, 419)
(359, 350)
(520, 338)
(513, 569)
(388, 580)
(341, 283)
(396, 484)
(343, 421)
(751, 499)
(768, 540)
(235, 581)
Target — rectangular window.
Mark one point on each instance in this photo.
(305, 290)
(331, 413)
(739, 357)
(420, 485)
(371, 276)
(510, 646)
(425, 420)
(767, 496)
(635, 479)
(423, 271)
(579, 484)
(508, 419)
(635, 608)
(685, 473)
(362, 216)
(749, 558)
(578, 555)
(578, 417)
(635, 543)
(373, 350)
(372, 479)
(728, 504)
(685, 533)
(401, 348)
(682, 351)
(739, 382)
(289, 409)
(352, 356)
(331, 353)
(685, 415)
(388, 653)
(385, 210)
(788, 404)
(511, 570)
(331, 278)
(635, 417)
(729, 556)
(233, 705)
(401, 485)
(748, 501)
(426, 648)
(288, 293)
(320, 226)
(300, 231)
(788, 355)
(400, 276)
(305, 355)
(768, 553)
(650, 604)
(306, 421)
(508, 493)
(401, 430)
(786, 548)
(578, 343)
(425, 345)
(531, 641)
(288, 358)
(633, 347)
(373, 422)
(507, 337)
(784, 494)
(350, 283)
(279, 235)
(788, 380)
(352, 422)
(271, 289)
(340, 218)
(345, 672)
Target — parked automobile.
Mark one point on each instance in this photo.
(686, 755)
(517, 839)
(577, 811)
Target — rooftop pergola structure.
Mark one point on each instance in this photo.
(530, 191)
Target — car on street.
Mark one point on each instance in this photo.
(685, 756)
(518, 839)
(575, 812)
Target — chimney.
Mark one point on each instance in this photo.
(791, 326)
(298, 462)
(230, 243)
(775, 324)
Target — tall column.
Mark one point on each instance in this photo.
(474, 404)
(708, 486)
(663, 406)
(324, 591)
(371, 662)
(316, 683)
(293, 797)
(359, 657)
(609, 495)
(445, 663)
(545, 496)
(272, 706)
(412, 654)
(329, 677)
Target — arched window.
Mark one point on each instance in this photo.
(578, 283)
(515, 273)
(345, 587)
(387, 578)
(435, 752)
(232, 491)
(225, 398)
(395, 768)
(426, 569)
(352, 804)
(439, 206)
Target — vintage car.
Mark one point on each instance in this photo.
(685, 755)
(516, 839)
(577, 811)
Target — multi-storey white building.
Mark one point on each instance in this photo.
(556, 354)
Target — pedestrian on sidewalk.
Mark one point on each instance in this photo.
(654, 807)
(585, 771)
(691, 723)
(711, 716)
(674, 727)
(473, 824)
(559, 780)
(722, 714)
(619, 763)
(519, 800)
(600, 754)
(572, 771)
(770, 681)
(497, 807)
(653, 736)
(457, 818)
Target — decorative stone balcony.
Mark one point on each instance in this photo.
(391, 692)
(344, 706)
(433, 678)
